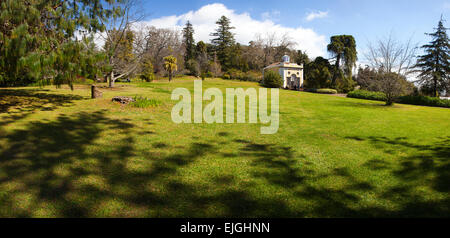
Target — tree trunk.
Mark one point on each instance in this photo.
(111, 79)
(95, 93)
(170, 76)
(436, 94)
(338, 59)
(389, 101)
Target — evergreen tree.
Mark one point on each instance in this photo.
(301, 57)
(318, 73)
(223, 42)
(38, 40)
(343, 48)
(189, 44)
(435, 63)
(202, 57)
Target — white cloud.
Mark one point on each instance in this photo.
(316, 15)
(273, 15)
(204, 22)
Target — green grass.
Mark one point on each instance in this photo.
(65, 155)
(143, 102)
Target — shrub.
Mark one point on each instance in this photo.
(235, 74)
(363, 94)
(143, 102)
(193, 67)
(327, 91)
(249, 77)
(147, 71)
(272, 80)
(344, 84)
(209, 74)
(203, 76)
(424, 101)
(252, 76)
(81, 80)
(226, 76)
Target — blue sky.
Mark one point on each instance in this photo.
(364, 19)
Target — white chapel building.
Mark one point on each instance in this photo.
(291, 73)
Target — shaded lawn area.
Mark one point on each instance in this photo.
(64, 155)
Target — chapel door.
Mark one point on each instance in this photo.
(293, 82)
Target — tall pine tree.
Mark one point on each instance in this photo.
(189, 44)
(435, 63)
(223, 42)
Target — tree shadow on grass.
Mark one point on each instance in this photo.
(19, 103)
(70, 168)
(277, 163)
(427, 165)
(428, 160)
(281, 167)
(87, 165)
(42, 162)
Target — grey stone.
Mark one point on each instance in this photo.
(122, 99)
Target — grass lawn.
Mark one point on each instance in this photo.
(65, 155)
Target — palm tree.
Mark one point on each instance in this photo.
(170, 65)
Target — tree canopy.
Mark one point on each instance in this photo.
(343, 48)
(170, 65)
(39, 39)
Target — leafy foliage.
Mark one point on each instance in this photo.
(318, 74)
(193, 66)
(272, 80)
(364, 94)
(147, 71)
(300, 57)
(170, 65)
(38, 41)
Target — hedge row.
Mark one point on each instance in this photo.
(424, 101)
(410, 99)
(363, 94)
(326, 91)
